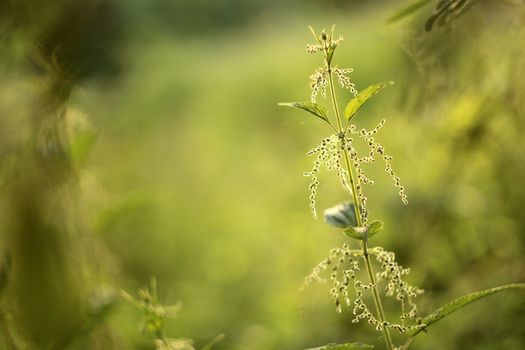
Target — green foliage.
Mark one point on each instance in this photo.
(364, 95)
(331, 152)
(462, 301)
(154, 313)
(408, 9)
(445, 12)
(448, 10)
(195, 135)
(455, 305)
(366, 232)
(311, 107)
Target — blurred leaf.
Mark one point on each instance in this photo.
(463, 301)
(357, 102)
(347, 346)
(448, 10)
(364, 233)
(314, 108)
(407, 9)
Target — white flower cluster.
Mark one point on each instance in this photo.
(392, 275)
(318, 83)
(328, 154)
(375, 149)
(344, 80)
(344, 266)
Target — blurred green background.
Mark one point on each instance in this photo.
(181, 166)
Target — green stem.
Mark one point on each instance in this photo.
(333, 97)
(352, 184)
(408, 342)
(377, 298)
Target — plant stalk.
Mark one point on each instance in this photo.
(377, 298)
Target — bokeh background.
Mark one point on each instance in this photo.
(172, 159)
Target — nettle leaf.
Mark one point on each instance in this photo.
(463, 301)
(312, 107)
(347, 346)
(364, 95)
(366, 232)
(355, 232)
(375, 227)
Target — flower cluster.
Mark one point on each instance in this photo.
(344, 266)
(155, 315)
(318, 83)
(328, 154)
(325, 41)
(392, 274)
(344, 80)
(376, 148)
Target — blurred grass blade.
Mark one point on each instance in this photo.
(357, 102)
(347, 346)
(407, 9)
(463, 301)
(448, 10)
(214, 342)
(317, 110)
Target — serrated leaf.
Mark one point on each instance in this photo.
(356, 232)
(311, 107)
(407, 9)
(375, 227)
(357, 102)
(463, 301)
(364, 233)
(347, 346)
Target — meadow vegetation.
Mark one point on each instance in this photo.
(174, 161)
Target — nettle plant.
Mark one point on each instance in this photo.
(154, 318)
(367, 273)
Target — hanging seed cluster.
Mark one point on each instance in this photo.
(392, 274)
(328, 153)
(318, 83)
(343, 265)
(344, 81)
(375, 148)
